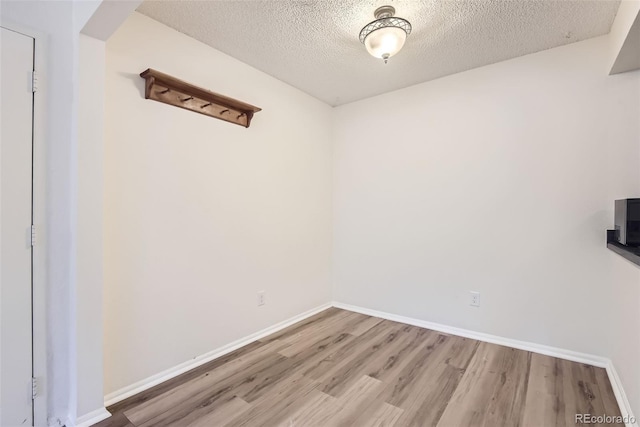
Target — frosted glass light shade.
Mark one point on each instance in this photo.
(385, 36)
(385, 42)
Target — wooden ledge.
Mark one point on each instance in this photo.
(170, 90)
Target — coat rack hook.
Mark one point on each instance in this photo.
(169, 90)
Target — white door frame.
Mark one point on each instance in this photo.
(39, 250)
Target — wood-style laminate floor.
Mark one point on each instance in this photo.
(340, 368)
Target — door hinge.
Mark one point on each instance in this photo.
(34, 81)
(34, 388)
(33, 235)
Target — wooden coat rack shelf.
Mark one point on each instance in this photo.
(165, 88)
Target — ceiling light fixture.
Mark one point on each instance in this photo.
(385, 36)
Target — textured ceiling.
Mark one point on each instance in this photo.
(314, 46)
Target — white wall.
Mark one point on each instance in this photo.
(89, 256)
(97, 20)
(499, 180)
(201, 214)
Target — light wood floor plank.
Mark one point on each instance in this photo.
(402, 386)
(545, 405)
(310, 407)
(433, 385)
(344, 410)
(559, 389)
(336, 359)
(312, 321)
(205, 400)
(363, 326)
(230, 409)
(300, 342)
(274, 406)
(356, 400)
(306, 327)
(493, 390)
(606, 393)
(380, 414)
(396, 362)
(369, 356)
(197, 388)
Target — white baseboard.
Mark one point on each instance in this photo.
(601, 362)
(621, 396)
(90, 419)
(163, 376)
(589, 359)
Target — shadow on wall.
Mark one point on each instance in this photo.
(136, 80)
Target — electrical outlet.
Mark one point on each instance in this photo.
(475, 299)
(262, 298)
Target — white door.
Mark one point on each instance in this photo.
(16, 109)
